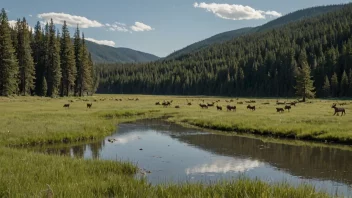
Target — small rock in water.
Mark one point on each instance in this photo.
(141, 149)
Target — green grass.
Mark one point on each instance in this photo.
(34, 120)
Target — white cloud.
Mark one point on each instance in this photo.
(119, 27)
(236, 12)
(140, 27)
(71, 20)
(30, 15)
(102, 42)
(13, 23)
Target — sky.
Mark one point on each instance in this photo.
(159, 27)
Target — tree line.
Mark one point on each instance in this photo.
(311, 57)
(42, 61)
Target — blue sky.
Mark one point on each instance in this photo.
(155, 26)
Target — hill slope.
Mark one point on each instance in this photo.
(107, 54)
(226, 36)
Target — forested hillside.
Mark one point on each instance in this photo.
(227, 36)
(107, 54)
(259, 64)
(45, 63)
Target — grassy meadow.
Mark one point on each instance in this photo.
(35, 120)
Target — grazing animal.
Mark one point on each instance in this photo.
(189, 104)
(219, 108)
(231, 100)
(266, 103)
(280, 110)
(166, 104)
(288, 107)
(203, 106)
(227, 101)
(70, 101)
(177, 107)
(211, 105)
(293, 103)
(342, 104)
(251, 107)
(157, 103)
(137, 99)
(89, 105)
(67, 105)
(338, 110)
(230, 108)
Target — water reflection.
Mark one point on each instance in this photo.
(224, 166)
(178, 154)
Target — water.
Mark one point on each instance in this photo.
(176, 154)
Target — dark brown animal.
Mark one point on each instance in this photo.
(89, 105)
(288, 107)
(203, 106)
(177, 107)
(189, 104)
(230, 108)
(251, 107)
(338, 110)
(166, 104)
(157, 103)
(219, 108)
(137, 99)
(293, 103)
(211, 105)
(280, 110)
(70, 101)
(67, 105)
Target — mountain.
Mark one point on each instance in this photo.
(260, 64)
(226, 36)
(107, 54)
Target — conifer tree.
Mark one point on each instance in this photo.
(304, 83)
(44, 88)
(53, 63)
(334, 85)
(8, 61)
(25, 59)
(68, 63)
(326, 87)
(344, 84)
(85, 69)
(78, 60)
(38, 49)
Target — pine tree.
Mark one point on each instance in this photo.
(8, 61)
(304, 83)
(350, 84)
(25, 59)
(334, 85)
(53, 63)
(326, 87)
(44, 88)
(344, 84)
(86, 83)
(68, 63)
(78, 60)
(38, 49)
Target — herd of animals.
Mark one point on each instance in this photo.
(288, 105)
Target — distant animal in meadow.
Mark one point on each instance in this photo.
(157, 103)
(342, 104)
(137, 99)
(71, 101)
(280, 103)
(251, 107)
(219, 108)
(166, 104)
(227, 101)
(288, 107)
(339, 110)
(203, 106)
(177, 107)
(293, 103)
(66, 105)
(231, 108)
(266, 103)
(189, 104)
(89, 105)
(280, 110)
(210, 104)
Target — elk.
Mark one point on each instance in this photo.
(166, 104)
(157, 103)
(211, 105)
(70, 101)
(280, 110)
(219, 108)
(67, 105)
(251, 107)
(288, 107)
(189, 104)
(293, 103)
(137, 99)
(177, 107)
(203, 106)
(89, 105)
(338, 110)
(230, 108)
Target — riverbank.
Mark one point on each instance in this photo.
(31, 120)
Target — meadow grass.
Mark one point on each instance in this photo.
(34, 120)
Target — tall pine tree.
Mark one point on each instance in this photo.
(344, 84)
(326, 87)
(334, 85)
(8, 61)
(304, 84)
(68, 63)
(25, 59)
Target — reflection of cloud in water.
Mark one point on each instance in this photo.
(224, 166)
(126, 139)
